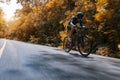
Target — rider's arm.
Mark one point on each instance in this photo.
(73, 22)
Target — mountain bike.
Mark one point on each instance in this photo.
(79, 40)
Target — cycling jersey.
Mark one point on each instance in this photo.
(75, 21)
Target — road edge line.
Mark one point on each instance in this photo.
(2, 48)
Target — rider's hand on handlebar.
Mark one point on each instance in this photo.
(83, 26)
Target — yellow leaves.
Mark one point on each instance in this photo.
(118, 46)
(89, 6)
(59, 3)
(33, 39)
(109, 32)
(70, 13)
(65, 24)
(50, 4)
(98, 17)
(88, 21)
(63, 34)
(37, 9)
(104, 14)
(61, 21)
(67, 12)
(49, 15)
(100, 28)
(79, 2)
(101, 3)
(56, 3)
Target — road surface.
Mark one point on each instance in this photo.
(24, 61)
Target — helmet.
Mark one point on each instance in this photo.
(80, 14)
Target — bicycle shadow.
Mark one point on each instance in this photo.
(78, 55)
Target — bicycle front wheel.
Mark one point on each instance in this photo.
(67, 44)
(84, 46)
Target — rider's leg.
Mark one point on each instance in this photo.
(72, 31)
(69, 32)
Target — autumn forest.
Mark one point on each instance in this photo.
(45, 22)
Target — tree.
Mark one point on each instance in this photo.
(108, 17)
(2, 24)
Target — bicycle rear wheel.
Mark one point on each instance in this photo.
(84, 46)
(67, 44)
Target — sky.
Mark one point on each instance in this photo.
(9, 9)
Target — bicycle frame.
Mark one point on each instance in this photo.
(80, 40)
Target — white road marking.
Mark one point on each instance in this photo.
(1, 50)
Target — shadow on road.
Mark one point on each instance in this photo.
(79, 55)
(53, 66)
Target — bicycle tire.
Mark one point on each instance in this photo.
(67, 45)
(83, 43)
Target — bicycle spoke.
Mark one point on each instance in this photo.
(67, 45)
(84, 46)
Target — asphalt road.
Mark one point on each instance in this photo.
(24, 61)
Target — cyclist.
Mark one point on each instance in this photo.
(76, 20)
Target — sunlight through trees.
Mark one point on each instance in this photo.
(45, 21)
